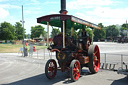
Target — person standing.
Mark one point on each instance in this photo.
(31, 49)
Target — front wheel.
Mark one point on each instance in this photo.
(94, 58)
(50, 68)
(75, 70)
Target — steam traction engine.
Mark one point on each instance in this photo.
(72, 53)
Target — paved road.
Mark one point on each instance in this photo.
(17, 70)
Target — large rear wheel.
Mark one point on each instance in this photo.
(75, 70)
(94, 58)
(50, 68)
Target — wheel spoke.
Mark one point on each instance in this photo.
(94, 65)
(95, 57)
(74, 69)
(49, 68)
(75, 65)
(96, 60)
(96, 68)
(95, 52)
(50, 73)
(50, 64)
(77, 74)
(74, 75)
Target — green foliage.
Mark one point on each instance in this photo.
(78, 26)
(99, 34)
(112, 31)
(36, 31)
(10, 32)
(125, 26)
(68, 32)
(7, 31)
(18, 31)
(123, 30)
(87, 30)
(54, 32)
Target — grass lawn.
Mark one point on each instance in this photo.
(12, 48)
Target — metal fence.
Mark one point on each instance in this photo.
(43, 54)
(117, 60)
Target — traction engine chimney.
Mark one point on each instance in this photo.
(63, 7)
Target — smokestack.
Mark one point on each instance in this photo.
(63, 7)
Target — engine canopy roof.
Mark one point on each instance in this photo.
(55, 20)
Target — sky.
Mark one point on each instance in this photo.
(108, 12)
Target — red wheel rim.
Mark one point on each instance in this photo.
(52, 69)
(76, 70)
(96, 59)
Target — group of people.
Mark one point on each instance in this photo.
(31, 48)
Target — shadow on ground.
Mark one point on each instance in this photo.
(123, 81)
(42, 80)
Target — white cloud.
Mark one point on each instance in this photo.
(51, 2)
(106, 12)
(105, 15)
(78, 4)
(33, 11)
(34, 0)
(101, 11)
(3, 0)
(8, 6)
(3, 13)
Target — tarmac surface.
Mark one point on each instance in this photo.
(18, 70)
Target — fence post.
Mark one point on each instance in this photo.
(37, 53)
(44, 53)
(50, 55)
(105, 59)
(121, 61)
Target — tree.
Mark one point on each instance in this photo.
(125, 26)
(89, 32)
(99, 34)
(7, 31)
(37, 31)
(123, 30)
(54, 32)
(18, 31)
(112, 31)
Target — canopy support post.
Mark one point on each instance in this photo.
(92, 36)
(72, 29)
(63, 34)
(48, 34)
